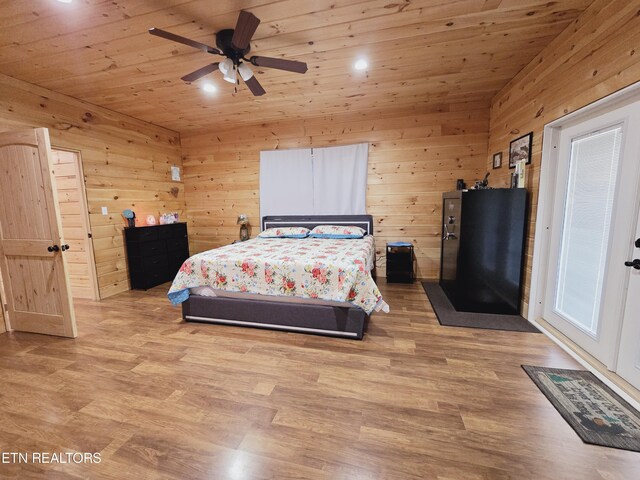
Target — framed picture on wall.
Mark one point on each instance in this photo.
(520, 149)
(497, 160)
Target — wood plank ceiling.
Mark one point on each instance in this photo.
(420, 52)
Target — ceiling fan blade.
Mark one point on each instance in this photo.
(185, 41)
(280, 64)
(245, 28)
(201, 72)
(255, 87)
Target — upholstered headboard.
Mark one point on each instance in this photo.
(311, 221)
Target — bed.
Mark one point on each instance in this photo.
(316, 286)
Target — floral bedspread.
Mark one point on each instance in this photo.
(329, 269)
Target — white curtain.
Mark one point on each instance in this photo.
(286, 182)
(340, 180)
(318, 181)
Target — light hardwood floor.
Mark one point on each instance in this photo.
(163, 399)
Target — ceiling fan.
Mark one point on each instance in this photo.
(234, 45)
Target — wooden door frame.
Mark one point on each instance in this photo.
(542, 236)
(85, 216)
(4, 319)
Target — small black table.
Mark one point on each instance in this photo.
(400, 262)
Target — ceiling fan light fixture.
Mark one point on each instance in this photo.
(225, 66)
(245, 72)
(234, 44)
(231, 75)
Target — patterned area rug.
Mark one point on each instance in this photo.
(596, 413)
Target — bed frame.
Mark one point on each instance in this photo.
(346, 322)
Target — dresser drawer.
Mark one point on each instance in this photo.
(148, 279)
(179, 244)
(140, 234)
(154, 263)
(173, 230)
(146, 249)
(156, 278)
(174, 266)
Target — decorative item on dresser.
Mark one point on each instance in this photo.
(155, 253)
(129, 216)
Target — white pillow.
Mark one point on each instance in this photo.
(285, 232)
(337, 231)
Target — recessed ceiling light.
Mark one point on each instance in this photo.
(360, 64)
(209, 88)
(65, 1)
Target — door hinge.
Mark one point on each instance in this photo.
(89, 235)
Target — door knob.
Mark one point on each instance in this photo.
(64, 247)
(53, 248)
(635, 263)
(638, 243)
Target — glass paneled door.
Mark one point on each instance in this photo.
(594, 160)
(593, 228)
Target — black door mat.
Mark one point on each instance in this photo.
(450, 317)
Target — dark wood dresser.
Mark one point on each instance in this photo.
(155, 253)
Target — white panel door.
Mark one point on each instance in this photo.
(629, 355)
(594, 219)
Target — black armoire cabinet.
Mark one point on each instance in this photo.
(155, 253)
(483, 237)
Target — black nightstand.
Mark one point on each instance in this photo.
(400, 262)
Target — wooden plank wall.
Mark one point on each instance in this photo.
(126, 164)
(413, 159)
(596, 55)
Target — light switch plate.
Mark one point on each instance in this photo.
(175, 173)
(105, 211)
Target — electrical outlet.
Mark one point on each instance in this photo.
(105, 211)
